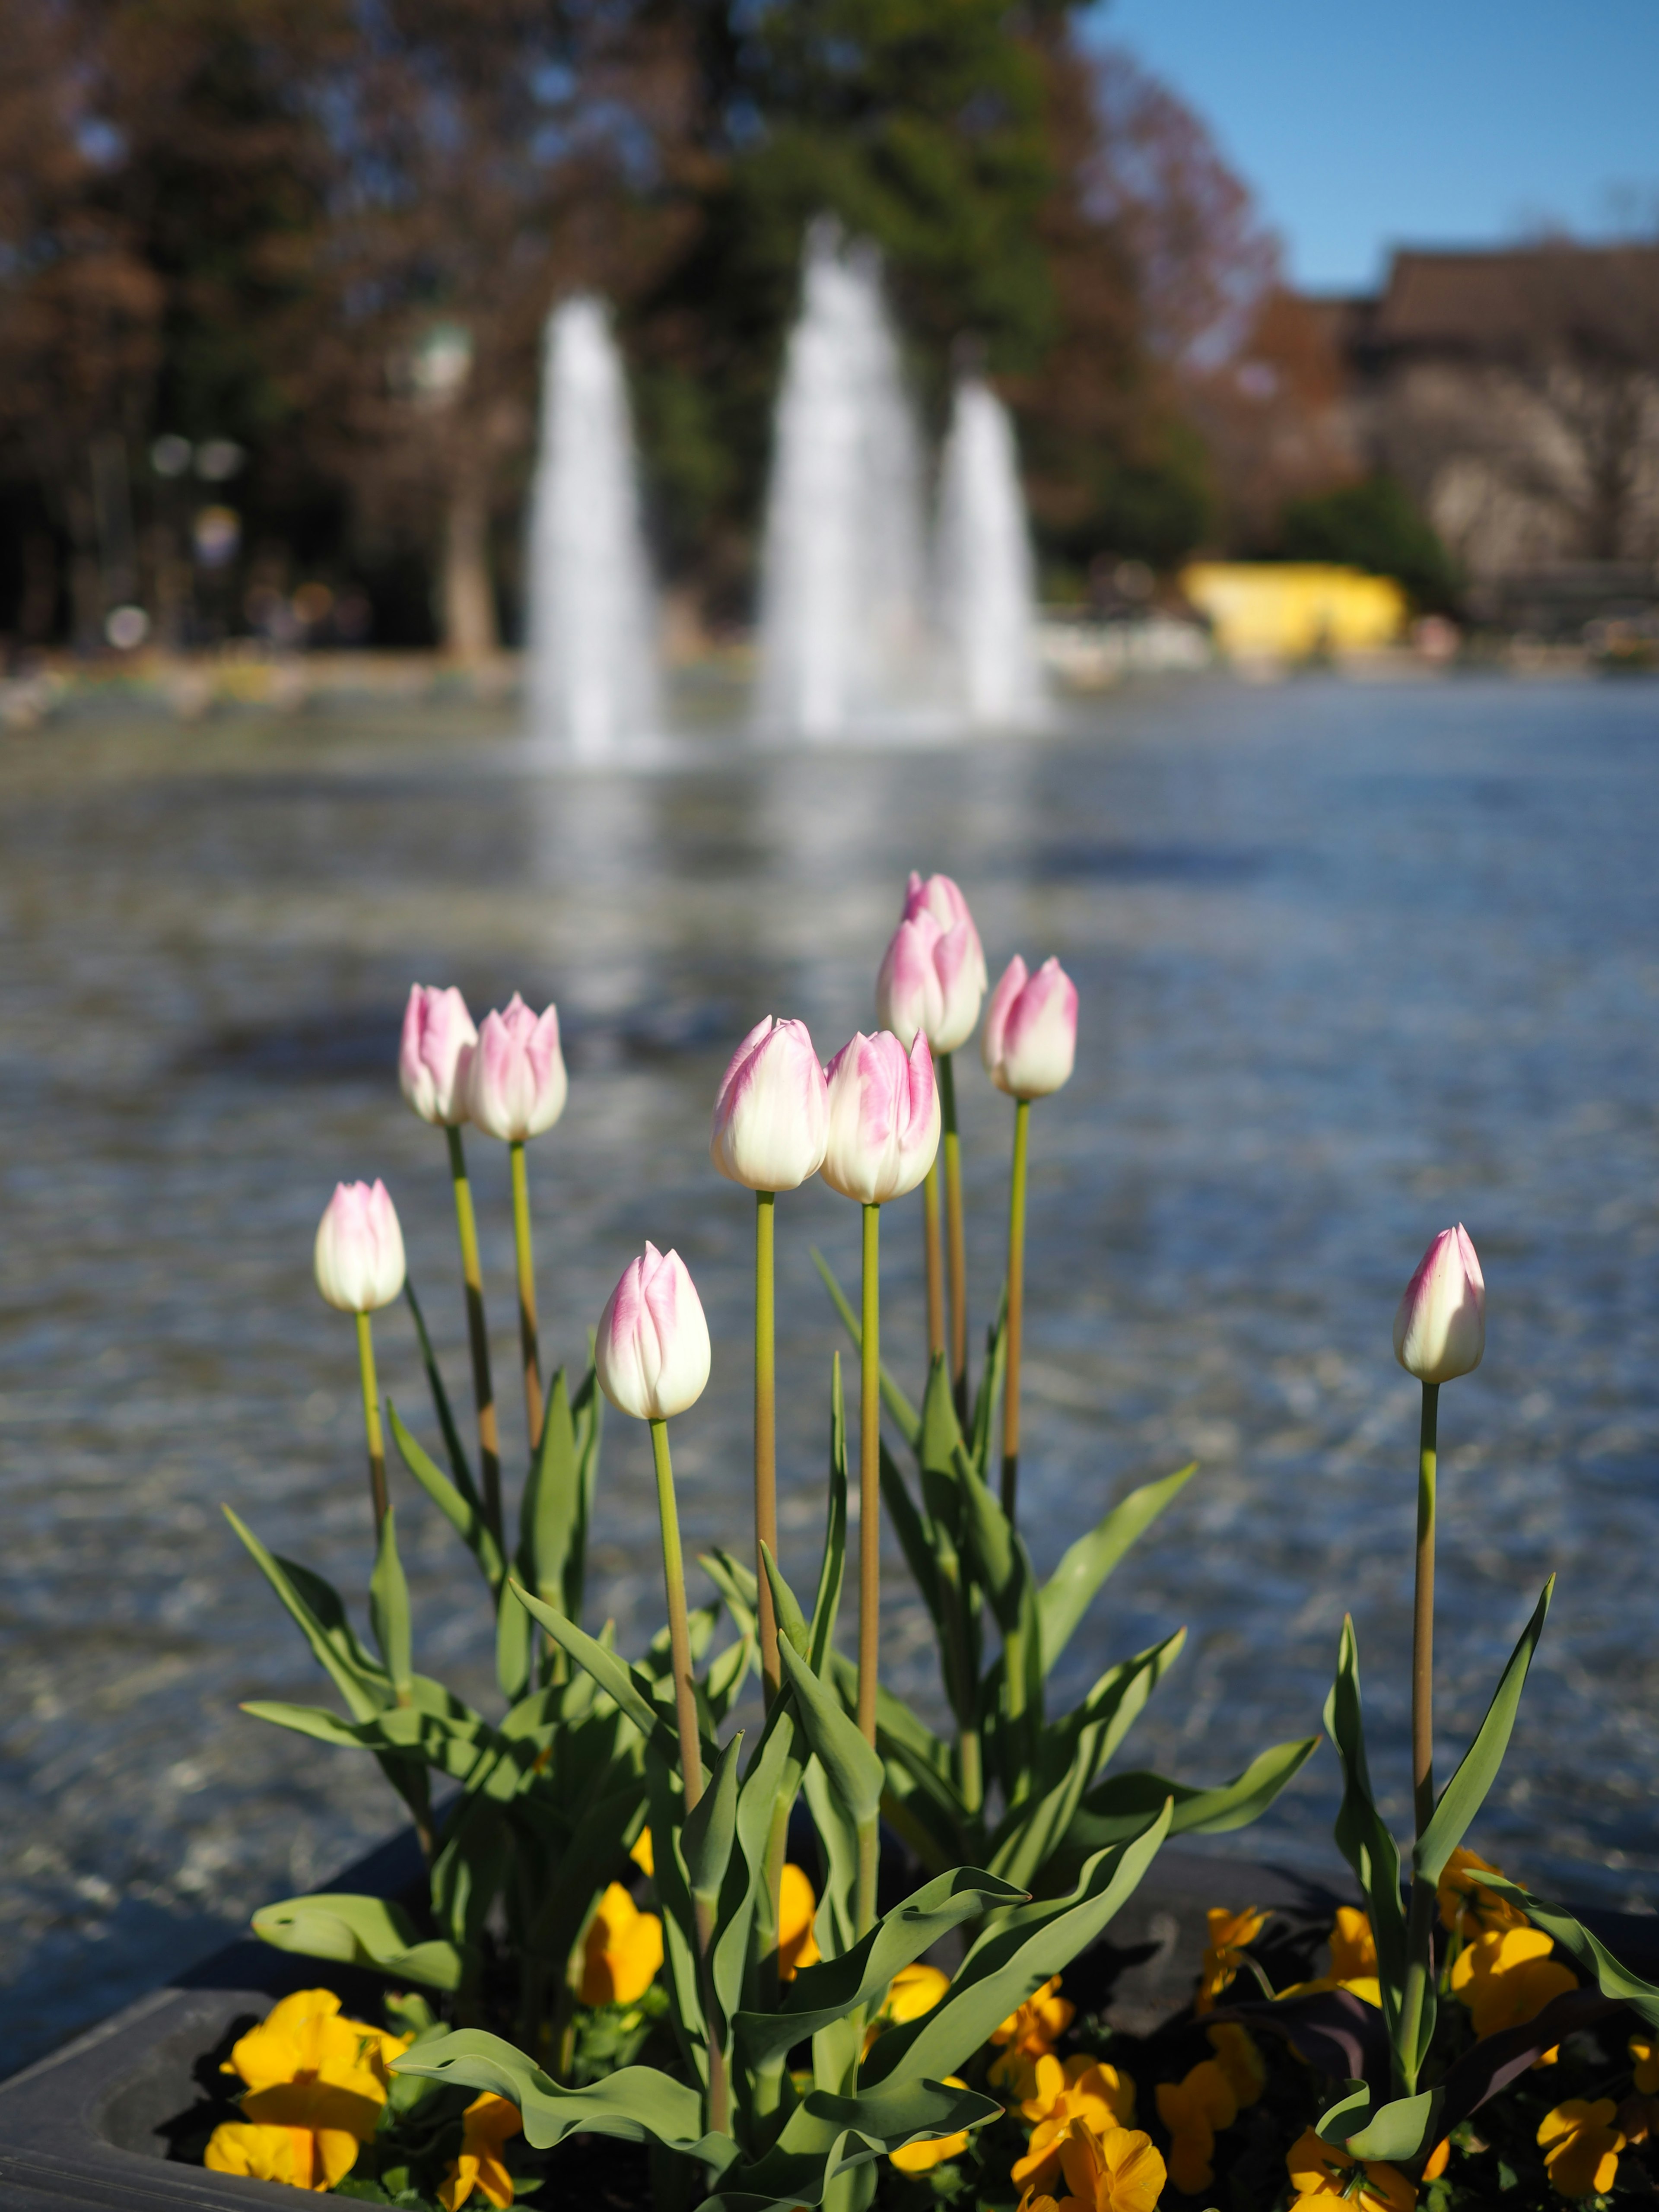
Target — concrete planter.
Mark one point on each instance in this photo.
(88, 2126)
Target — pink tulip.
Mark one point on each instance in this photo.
(1030, 1039)
(772, 1116)
(884, 1118)
(652, 1352)
(516, 1084)
(933, 976)
(1440, 1330)
(438, 1035)
(359, 1257)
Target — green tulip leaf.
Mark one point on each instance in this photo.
(824, 1993)
(627, 1686)
(1464, 1795)
(638, 2104)
(853, 1770)
(711, 1826)
(359, 1931)
(452, 1436)
(1399, 2132)
(388, 1608)
(1361, 1836)
(1071, 1589)
(1118, 1805)
(315, 1606)
(906, 1418)
(913, 1531)
(826, 1602)
(1021, 1949)
(464, 1515)
(1613, 1979)
(827, 2136)
(1352, 2108)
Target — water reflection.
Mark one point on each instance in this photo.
(1354, 963)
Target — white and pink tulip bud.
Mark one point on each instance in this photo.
(1440, 1330)
(359, 1257)
(1029, 1039)
(652, 1352)
(933, 976)
(438, 1035)
(772, 1115)
(884, 1118)
(516, 1081)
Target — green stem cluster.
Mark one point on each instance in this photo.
(955, 1233)
(1016, 1309)
(377, 1490)
(529, 1339)
(1420, 1912)
(484, 1390)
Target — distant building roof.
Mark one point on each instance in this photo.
(1493, 301)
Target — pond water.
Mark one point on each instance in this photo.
(1354, 963)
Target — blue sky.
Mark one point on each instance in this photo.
(1421, 122)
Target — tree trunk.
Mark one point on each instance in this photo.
(468, 599)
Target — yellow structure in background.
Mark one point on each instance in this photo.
(1291, 611)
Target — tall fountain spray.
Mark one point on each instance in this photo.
(594, 679)
(842, 562)
(987, 591)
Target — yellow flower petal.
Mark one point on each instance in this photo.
(642, 1854)
(1581, 2147)
(797, 1904)
(265, 2153)
(621, 1952)
(922, 2157)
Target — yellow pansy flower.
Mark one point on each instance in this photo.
(1084, 2089)
(486, 2124)
(268, 2154)
(1223, 1953)
(623, 1951)
(1470, 1908)
(1507, 1976)
(913, 1991)
(1325, 2173)
(1236, 2055)
(1195, 2110)
(923, 2157)
(1026, 2035)
(1353, 1960)
(1439, 2159)
(642, 1854)
(1581, 2146)
(797, 1945)
(313, 2078)
(1118, 2171)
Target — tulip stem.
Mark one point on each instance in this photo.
(870, 1475)
(679, 1633)
(484, 1390)
(766, 1437)
(372, 1420)
(933, 1264)
(954, 1234)
(1420, 1918)
(1016, 1310)
(1422, 1616)
(685, 1713)
(529, 1340)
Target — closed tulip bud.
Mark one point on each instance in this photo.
(884, 1118)
(772, 1116)
(1030, 1039)
(360, 1248)
(1440, 1330)
(932, 976)
(651, 1352)
(516, 1084)
(438, 1035)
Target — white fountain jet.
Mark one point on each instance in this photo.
(842, 566)
(594, 686)
(986, 586)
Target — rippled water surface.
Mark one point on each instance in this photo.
(1354, 963)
